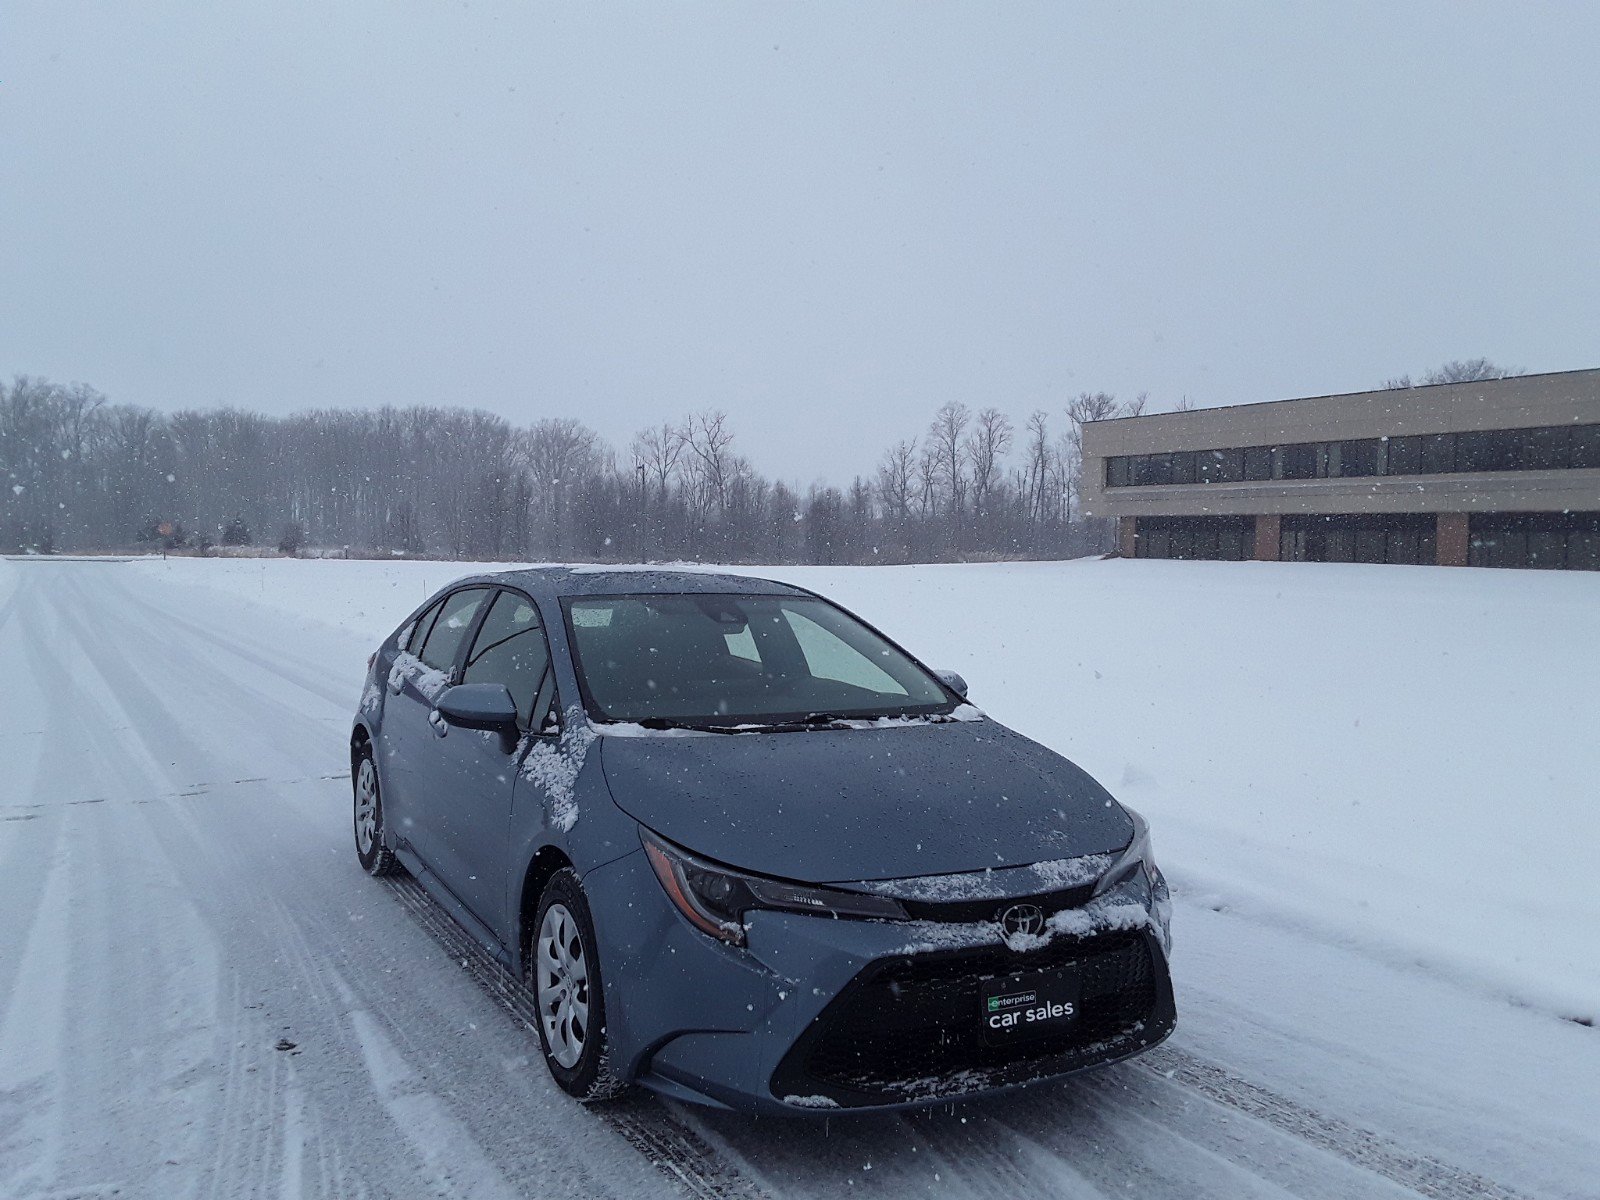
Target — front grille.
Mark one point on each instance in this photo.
(909, 1028)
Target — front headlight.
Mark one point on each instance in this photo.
(1130, 860)
(715, 898)
(1135, 872)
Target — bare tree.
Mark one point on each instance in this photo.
(1036, 472)
(658, 449)
(946, 443)
(986, 445)
(1468, 370)
(711, 460)
(897, 479)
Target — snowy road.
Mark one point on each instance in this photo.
(202, 995)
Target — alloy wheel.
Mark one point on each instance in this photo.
(366, 806)
(563, 985)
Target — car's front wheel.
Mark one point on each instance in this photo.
(376, 859)
(564, 974)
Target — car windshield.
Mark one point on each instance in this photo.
(729, 660)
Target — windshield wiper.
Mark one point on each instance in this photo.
(669, 723)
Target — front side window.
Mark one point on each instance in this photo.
(510, 649)
(455, 618)
(732, 660)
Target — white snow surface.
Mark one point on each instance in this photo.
(1372, 789)
(991, 883)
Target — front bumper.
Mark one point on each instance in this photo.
(817, 1015)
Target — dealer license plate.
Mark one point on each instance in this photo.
(1036, 1004)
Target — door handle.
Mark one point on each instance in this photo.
(440, 725)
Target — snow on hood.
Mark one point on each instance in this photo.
(1055, 875)
(847, 805)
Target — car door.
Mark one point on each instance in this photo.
(411, 723)
(474, 772)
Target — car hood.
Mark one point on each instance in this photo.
(848, 805)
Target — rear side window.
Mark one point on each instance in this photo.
(455, 618)
(510, 649)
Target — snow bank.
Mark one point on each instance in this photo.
(1397, 758)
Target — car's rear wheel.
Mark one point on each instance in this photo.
(376, 858)
(563, 972)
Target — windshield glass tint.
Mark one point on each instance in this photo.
(739, 659)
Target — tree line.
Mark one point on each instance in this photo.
(82, 473)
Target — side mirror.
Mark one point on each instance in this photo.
(954, 682)
(479, 706)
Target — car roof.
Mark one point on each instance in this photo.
(601, 580)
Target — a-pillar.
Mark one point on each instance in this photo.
(1127, 536)
(1268, 526)
(1451, 539)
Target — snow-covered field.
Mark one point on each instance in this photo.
(1374, 789)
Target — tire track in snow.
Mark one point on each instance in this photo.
(160, 1023)
(260, 657)
(1129, 1153)
(1420, 1173)
(243, 1141)
(230, 1089)
(677, 1151)
(306, 970)
(33, 1043)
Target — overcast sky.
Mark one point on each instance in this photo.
(826, 219)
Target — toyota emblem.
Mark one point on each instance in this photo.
(1022, 918)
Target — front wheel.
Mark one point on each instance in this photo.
(564, 973)
(376, 859)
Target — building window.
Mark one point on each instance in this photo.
(1227, 466)
(1358, 458)
(1540, 540)
(1152, 470)
(1544, 449)
(1487, 450)
(1300, 462)
(1374, 538)
(1231, 538)
(1584, 448)
(1438, 453)
(1258, 463)
(1405, 455)
(1554, 447)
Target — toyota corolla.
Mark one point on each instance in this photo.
(746, 851)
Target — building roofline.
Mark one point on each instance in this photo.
(1419, 387)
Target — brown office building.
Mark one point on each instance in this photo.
(1497, 473)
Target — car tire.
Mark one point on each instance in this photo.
(562, 971)
(376, 858)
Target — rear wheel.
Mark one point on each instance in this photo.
(376, 859)
(563, 972)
